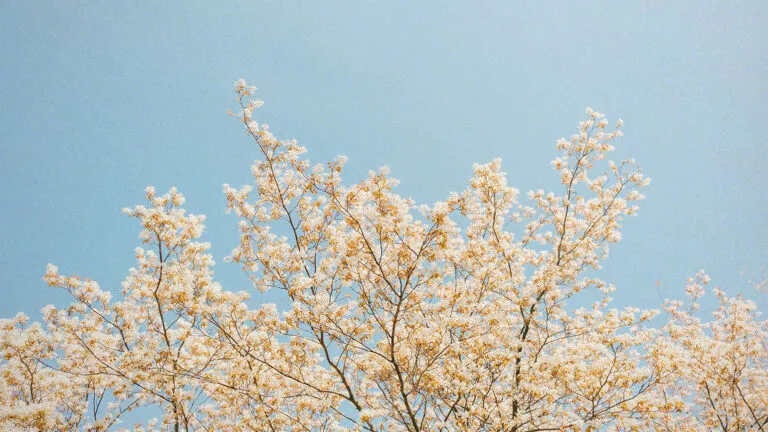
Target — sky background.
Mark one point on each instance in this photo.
(100, 99)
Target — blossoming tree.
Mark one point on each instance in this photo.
(450, 317)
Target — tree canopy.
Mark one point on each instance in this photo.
(446, 317)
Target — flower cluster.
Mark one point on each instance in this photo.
(449, 317)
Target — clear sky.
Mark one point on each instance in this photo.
(100, 99)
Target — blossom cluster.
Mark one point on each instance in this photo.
(448, 317)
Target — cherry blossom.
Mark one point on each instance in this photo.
(454, 316)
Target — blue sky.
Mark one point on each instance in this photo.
(100, 99)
